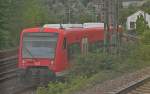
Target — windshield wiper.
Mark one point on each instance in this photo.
(33, 57)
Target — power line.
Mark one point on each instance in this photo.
(110, 11)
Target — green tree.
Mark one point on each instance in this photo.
(3, 10)
(15, 21)
(146, 7)
(3, 19)
(141, 25)
(34, 13)
(146, 37)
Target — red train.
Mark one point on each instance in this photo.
(50, 47)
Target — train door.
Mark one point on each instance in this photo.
(84, 45)
(65, 52)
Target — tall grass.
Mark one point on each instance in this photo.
(98, 67)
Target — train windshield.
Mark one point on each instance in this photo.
(39, 45)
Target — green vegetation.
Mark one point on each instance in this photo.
(145, 38)
(98, 67)
(13, 18)
(141, 25)
(16, 15)
(146, 7)
(3, 23)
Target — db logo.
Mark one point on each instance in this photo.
(37, 63)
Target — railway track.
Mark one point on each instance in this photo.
(140, 87)
(144, 89)
(8, 68)
(9, 83)
(7, 53)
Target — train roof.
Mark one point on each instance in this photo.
(65, 27)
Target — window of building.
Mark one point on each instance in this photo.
(132, 25)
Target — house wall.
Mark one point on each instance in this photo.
(133, 18)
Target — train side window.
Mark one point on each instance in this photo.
(65, 43)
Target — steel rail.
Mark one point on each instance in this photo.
(10, 76)
(133, 86)
(7, 68)
(8, 72)
(8, 59)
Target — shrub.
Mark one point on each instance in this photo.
(95, 67)
(92, 64)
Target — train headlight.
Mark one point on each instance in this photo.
(23, 61)
(52, 62)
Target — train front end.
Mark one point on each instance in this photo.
(37, 53)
